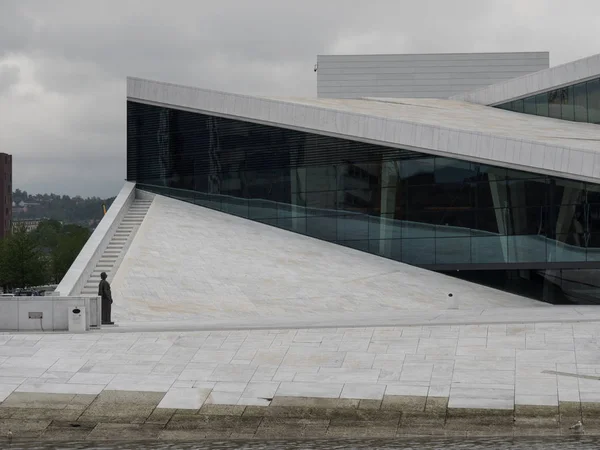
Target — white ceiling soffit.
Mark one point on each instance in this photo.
(434, 126)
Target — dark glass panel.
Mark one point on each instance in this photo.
(420, 196)
(554, 104)
(562, 250)
(456, 196)
(385, 227)
(517, 106)
(321, 178)
(568, 103)
(364, 175)
(530, 107)
(526, 248)
(418, 251)
(448, 170)
(485, 220)
(541, 105)
(353, 227)
(418, 170)
(581, 109)
(262, 209)
(593, 100)
(238, 207)
(322, 227)
(593, 247)
(365, 201)
(430, 210)
(325, 202)
(420, 224)
(455, 222)
(489, 249)
(453, 250)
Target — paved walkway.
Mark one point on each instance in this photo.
(475, 365)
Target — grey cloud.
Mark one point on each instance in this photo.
(9, 75)
(69, 115)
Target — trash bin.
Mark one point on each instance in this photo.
(77, 320)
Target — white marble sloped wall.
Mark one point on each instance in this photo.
(187, 261)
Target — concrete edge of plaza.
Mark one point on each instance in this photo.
(136, 415)
(554, 77)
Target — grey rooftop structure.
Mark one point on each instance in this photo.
(432, 75)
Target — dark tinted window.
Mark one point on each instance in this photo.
(396, 203)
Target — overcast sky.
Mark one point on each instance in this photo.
(63, 63)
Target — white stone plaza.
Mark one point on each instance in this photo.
(476, 366)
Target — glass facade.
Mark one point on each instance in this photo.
(579, 103)
(431, 211)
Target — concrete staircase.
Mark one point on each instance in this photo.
(112, 256)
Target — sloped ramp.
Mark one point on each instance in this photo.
(188, 262)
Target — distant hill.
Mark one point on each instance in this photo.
(69, 210)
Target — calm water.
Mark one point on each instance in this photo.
(569, 443)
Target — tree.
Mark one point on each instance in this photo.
(22, 262)
(70, 242)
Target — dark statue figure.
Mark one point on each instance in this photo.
(104, 292)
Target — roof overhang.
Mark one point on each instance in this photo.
(534, 83)
(438, 127)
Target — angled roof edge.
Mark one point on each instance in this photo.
(359, 123)
(534, 83)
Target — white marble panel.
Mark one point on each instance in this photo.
(407, 389)
(223, 398)
(149, 383)
(324, 390)
(363, 391)
(60, 388)
(184, 398)
(92, 378)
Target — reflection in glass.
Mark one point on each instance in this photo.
(581, 109)
(593, 99)
(579, 102)
(400, 204)
(554, 104)
(541, 104)
(568, 103)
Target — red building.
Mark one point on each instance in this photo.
(5, 194)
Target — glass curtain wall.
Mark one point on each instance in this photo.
(579, 103)
(424, 210)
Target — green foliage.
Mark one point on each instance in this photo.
(83, 211)
(22, 263)
(42, 256)
(70, 241)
